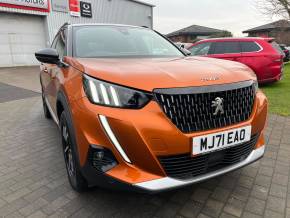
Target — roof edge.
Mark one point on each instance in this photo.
(193, 33)
(143, 3)
(268, 26)
(264, 29)
(184, 31)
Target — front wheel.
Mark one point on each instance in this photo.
(76, 179)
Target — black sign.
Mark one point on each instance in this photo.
(86, 9)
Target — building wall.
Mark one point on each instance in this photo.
(281, 37)
(177, 38)
(24, 31)
(187, 38)
(104, 11)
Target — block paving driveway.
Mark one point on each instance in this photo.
(33, 180)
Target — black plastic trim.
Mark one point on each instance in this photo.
(204, 89)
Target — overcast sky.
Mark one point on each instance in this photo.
(232, 15)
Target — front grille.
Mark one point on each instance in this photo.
(190, 109)
(185, 166)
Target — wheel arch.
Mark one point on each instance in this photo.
(62, 104)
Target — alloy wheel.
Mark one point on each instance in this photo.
(67, 150)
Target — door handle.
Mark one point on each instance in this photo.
(45, 70)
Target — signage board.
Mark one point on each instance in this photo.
(86, 9)
(59, 5)
(74, 8)
(33, 5)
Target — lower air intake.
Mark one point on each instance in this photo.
(186, 167)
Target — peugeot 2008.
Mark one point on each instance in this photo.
(135, 112)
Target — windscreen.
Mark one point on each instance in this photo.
(121, 41)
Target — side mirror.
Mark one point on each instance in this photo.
(48, 55)
(185, 51)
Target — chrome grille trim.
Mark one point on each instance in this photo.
(190, 108)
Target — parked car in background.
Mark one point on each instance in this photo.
(183, 45)
(262, 55)
(135, 112)
(286, 52)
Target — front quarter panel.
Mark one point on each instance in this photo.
(71, 81)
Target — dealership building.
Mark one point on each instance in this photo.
(29, 25)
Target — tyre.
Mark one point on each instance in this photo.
(76, 179)
(46, 112)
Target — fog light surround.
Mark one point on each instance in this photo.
(101, 159)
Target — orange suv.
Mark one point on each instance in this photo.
(135, 112)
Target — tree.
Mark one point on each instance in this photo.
(275, 8)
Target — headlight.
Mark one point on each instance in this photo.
(111, 95)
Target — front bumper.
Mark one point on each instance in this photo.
(272, 79)
(144, 135)
(171, 183)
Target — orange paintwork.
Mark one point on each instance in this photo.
(147, 74)
(147, 132)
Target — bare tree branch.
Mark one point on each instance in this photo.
(275, 8)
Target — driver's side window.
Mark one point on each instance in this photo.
(59, 44)
(53, 45)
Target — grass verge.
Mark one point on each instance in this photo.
(279, 94)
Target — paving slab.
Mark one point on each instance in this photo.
(22, 77)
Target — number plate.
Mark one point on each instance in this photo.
(221, 140)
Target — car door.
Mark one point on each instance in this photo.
(52, 73)
(228, 50)
(251, 54)
(45, 76)
(57, 71)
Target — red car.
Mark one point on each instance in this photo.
(286, 52)
(262, 55)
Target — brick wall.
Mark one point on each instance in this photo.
(281, 37)
(180, 39)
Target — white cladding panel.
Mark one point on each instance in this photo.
(20, 37)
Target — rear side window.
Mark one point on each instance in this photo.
(226, 48)
(250, 47)
(200, 49)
